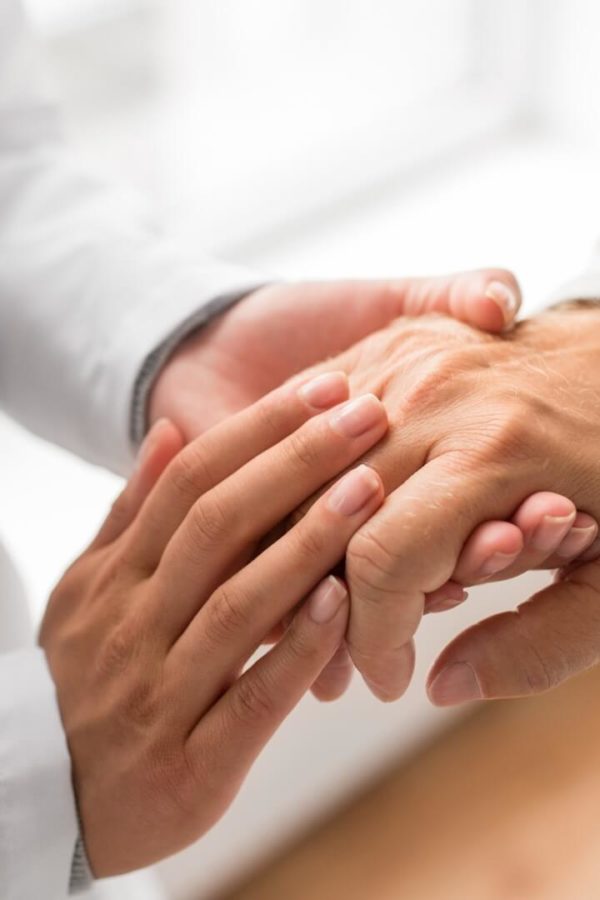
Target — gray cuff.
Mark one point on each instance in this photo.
(158, 357)
(81, 874)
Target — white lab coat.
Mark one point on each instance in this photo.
(89, 289)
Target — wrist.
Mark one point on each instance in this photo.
(188, 344)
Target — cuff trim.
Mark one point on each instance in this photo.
(155, 360)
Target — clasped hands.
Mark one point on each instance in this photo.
(466, 456)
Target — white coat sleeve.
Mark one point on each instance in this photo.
(38, 821)
(89, 287)
(585, 286)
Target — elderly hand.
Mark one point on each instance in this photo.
(280, 330)
(477, 423)
(148, 633)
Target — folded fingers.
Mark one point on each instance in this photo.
(545, 532)
(230, 626)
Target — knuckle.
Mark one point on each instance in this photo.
(169, 774)
(299, 645)
(369, 562)
(66, 602)
(269, 412)
(210, 523)
(439, 368)
(540, 675)
(122, 645)
(511, 431)
(302, 449)
(119, 510)
(111, 574)
(190, 472)
(117, 651)
(310, 542)
(228, 614)
(542, 667)
(141, 703)
(502, 429)
(252, 700)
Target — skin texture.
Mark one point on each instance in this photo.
(477, 424)
(149, 631)
(279, 330)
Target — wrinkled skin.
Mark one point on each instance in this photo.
(477, 423)
(279, 330)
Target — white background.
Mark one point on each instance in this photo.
(314, 139)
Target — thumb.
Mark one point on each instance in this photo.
(488, 299)
(551, 637)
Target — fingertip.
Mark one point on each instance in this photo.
(506, 299)
(358, 493)
(491, 299)
(580, 538)
(445, 598)
(165, 441)
(535, 508)
(492, 547)
(324, 391)
(388, 679)
(334, 680)
(484, 313)
(328, 601)
(455, 684)
(584, 521)
(592, 553)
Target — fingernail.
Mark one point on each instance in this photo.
(325, 391)
(326, 600)
(394, 675)
(357, 416)
(496, 563)
(355, 489)
(445, 598)
(148, 443)
(457, 683)
(504, 297)
(551, 531)
(576, 541)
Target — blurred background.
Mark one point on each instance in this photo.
(310, 139)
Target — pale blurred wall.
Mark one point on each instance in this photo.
(501, 167)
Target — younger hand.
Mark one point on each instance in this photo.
(148, 633)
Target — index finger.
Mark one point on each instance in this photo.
(223, 450)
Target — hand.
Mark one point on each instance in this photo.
(280, 330)
(477, 423)
(500, 545)
(148, 633)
